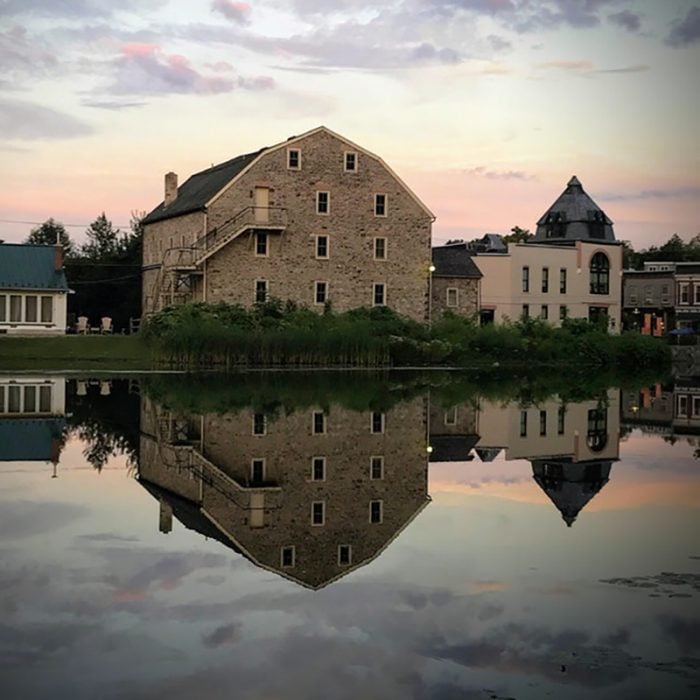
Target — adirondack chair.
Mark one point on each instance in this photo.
(106, 327)
(82, 327)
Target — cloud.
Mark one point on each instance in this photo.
(26, 518)
(670, 193)
(22, 54)
(498, 43)
(226, 634)
(686, 31)
(573, 66)
(640, 68)
(74, 9)
(482, 171)
(238, 12)
(112, 105)
(626, 19)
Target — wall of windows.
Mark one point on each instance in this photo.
(27, 308)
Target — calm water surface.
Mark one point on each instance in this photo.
(358, 538)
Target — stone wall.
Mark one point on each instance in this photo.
(467, 296)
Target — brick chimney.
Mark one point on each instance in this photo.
(170, 188)
(58, 257)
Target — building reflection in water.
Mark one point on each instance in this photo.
(32, 418)
(571, 446)
(310, 496)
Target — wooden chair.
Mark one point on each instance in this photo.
(82, 328)
(106, 327)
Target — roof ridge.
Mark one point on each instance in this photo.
(228, 162)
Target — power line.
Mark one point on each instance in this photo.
(39, 223)
(105, 281)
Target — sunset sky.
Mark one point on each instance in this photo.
(484, 107)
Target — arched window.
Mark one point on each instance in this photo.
(600, 274)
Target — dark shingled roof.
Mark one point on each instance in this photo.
(454, 261)
(452, 448)
(574, 217)
(199, 188)
(30, 439)
(30, 267)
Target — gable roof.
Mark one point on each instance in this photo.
(24, 266)
(202, 188)
(199, 188)
(455, 261)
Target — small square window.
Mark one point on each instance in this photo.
(261, 243)
(350, 162)
(378, 294)
(380, 248)
(318, 423)
(376, 511)
(380, 205)
(323, 202)
(322, 247)
(259, 424)
(261, 290)
(257, 470)
(377, 422)
(344, 555)
(294, 159)
(287, 557)
(318, 513)
(376, 468)
(452, 297)
(321, 292)
(318, 469)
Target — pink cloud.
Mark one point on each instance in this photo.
(236, 11)
(137, 50)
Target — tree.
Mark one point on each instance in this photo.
(103, 240)
(50, 232)
(518, 235)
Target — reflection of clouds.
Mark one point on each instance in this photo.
(685, 632)
(221, 636)
(26, 518)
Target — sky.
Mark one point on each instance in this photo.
(485, 108)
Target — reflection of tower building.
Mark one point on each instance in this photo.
(311, 495)
(32, 418)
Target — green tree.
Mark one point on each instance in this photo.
(518, 235)
(103, 240)
(50, 232)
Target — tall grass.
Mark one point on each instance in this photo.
(222, 336)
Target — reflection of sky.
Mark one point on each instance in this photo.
(486, 593)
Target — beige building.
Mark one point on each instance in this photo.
(310, 496)
(315, 219)
(572, 268)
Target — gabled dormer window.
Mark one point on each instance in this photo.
(350, 162)
(293, 159)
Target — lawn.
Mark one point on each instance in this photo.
(74, 352)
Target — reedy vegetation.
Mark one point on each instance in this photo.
(222, 336)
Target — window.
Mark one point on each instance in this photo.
(3, 311)
(318, 423)
(600, 274)
(380, 205)
(294, 159)
(683, 294)
(526, 279)
(45, 399)
(526, 311)
(647, 294)
(260, 291)
(562, 280)
(561, 420)
(681, 412)
(29, 399)
(318, 513)
(452, 297)
(259, 424)
(376, 511)
(287, 557)
(696, 406)
(2, 399)
(13, 399)
(380, 248)
(30, 309)
(545, 279)
(377, 422)
(322, 247)
(597, 436)
(261, 243)
(451, 416)
(563, 312)
(321, 292)
(318, 469)
(257, 470)
(376, 468)
(543, 422)
(344, 555)
(544, 312)
(378, 294)
(523, 423)
(323, 202)
(696, 294)
(15, 308)
(350, 162)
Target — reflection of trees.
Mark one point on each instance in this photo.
(109, 425)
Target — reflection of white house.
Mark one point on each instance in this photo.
(32, 418)
(33, 290)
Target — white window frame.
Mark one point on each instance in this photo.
(289, 547)
(683, 287)
(316, 284)
(371, 467)
(255, 291)
(374, 293)
(349, 561)
(328, 246)
(381, 512)
(386, 204)
(696, 294)
(266, 237)
(345, 162)
(289, 158)
(451, 416)
(695, 405)
(382, 418)
(386, 247)
(313, 423)
(682, 401)
(323, 513)
(252, 468)
(328, 202)
(455, 291)
(313, 465)
(264, 430)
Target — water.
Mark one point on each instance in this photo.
(465, 545)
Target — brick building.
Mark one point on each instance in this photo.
(315, 219)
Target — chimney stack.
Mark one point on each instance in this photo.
(170, 188)
(58, 257)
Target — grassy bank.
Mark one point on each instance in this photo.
(73, 352)
(225, 337)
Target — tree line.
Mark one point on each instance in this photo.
(104, 272)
